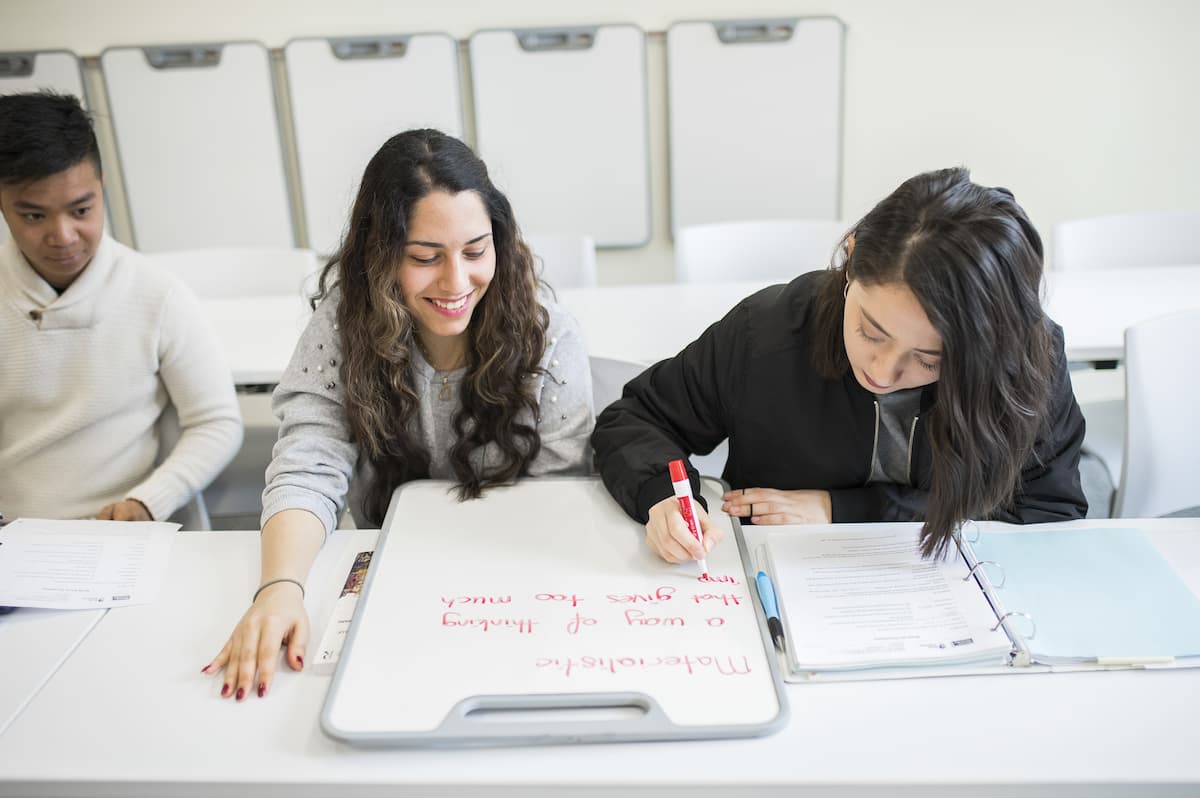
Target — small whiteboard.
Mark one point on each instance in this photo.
(755, 120)
(349, 96)
(561, 121)
(537, 614)
(57, 70)
(199, 144)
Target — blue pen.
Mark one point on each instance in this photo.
(766, 594)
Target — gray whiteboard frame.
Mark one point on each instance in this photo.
(839, 189)
(457, 732)
(570, 31)
(147, 49)
(291, 91)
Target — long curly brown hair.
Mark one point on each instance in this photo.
(506, 337)
(973, 260)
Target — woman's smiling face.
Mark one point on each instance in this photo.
(449, 261)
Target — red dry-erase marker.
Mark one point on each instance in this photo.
(683, 493)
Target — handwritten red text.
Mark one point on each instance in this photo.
(518, 625)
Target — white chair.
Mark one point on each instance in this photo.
(609, 376)
(565, 261)
(1160, 472)
(764, 250)
(194, 514)
(223, 273)
(1122, 241)
(234, 499)
(1169, 238)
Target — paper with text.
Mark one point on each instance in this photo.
(82, 564)
(861, 596)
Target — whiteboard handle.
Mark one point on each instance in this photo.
(556, 39)
(16, 65)
(557, 717)
(355, 47)
(482, 705)
(756, 31)
(186, 57)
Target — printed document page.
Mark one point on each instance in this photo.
(860, 596)
(82, 564)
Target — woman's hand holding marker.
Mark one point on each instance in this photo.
(667, 530)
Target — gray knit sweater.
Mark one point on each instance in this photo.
(314, 463)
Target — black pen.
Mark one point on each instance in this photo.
(766, 594)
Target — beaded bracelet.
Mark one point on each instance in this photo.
(267, 584)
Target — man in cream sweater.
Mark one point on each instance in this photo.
(96, 342)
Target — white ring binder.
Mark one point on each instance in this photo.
(1003, 576)
(1032, 624)
(973, 525)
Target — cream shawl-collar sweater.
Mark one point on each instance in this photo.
(85, 377)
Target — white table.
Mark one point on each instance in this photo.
(33, 645)
(129, 714)
(257, 333)
(646, 323)
(1095, 307)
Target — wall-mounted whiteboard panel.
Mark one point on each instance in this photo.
(348, 97)
(198, 139)
(561, 120)
(54, 69)
(755, 118)
(484, 623)
(57, 70)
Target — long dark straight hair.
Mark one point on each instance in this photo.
(506, 337)
(973, 260)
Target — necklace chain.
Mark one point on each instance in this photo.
(445, 390)
(458, 363)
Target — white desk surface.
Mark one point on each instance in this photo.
(257, 333)
(33, 644)
(646, 323)
(129, 714)
(1095, 306)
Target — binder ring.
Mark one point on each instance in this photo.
(1003, 576)
(975, 527)
(1032, 625)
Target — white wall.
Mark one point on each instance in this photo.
(1081, 108)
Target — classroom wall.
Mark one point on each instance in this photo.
(1081, 108)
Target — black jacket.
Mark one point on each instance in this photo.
(750, 378)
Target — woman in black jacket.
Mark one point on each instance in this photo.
(917, 379)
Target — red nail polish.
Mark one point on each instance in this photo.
(300, 660)
(205, 668)
(224, 690)
(241, 693)
(262, 690)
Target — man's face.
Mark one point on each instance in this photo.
(57, 221)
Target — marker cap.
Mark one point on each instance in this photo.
(678, 471)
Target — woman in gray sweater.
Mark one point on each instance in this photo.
(430, 354)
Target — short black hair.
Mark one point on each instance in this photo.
(43, 133)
